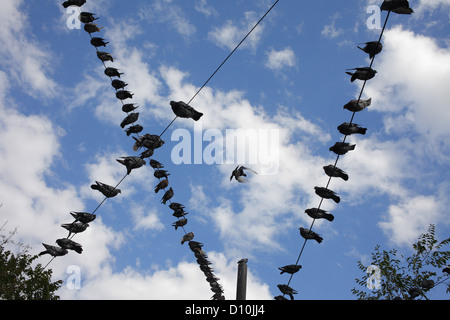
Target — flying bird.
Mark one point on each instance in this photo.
(317, 213)
(364, 73)
(162, 185)
(310, 235)
(77, 3)
(131, 162)
(180, 223)
(118, 84)
(150, 141)
(285, 289)
(127, 108)
(124, 94)
(107, 190)
(327, 194)
(333, 171)
(87, 17)
(397, 6)
(372, 48)
(291, 269)
(187, 237)
(356, 106)
(75, 227)
(98, 42)
(129, 119)
(53, 251)
(137, 128)
(92, 28)
(238, 173)
(113, 72)
(83, 217)
(342, 148)
(70, 245)
(167, 196)
(348, 128)
(183, 110)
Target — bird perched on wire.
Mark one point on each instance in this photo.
(414, 293)
(77, 3)
(285, 289)
(333, 171)
(119, 84)
(446, 269)
(129, 106)
(151, 141)
(239, 174)
(107, 190)
(180, 223)
(397, 6)
(310, 235)
(317, 213)
(131, 162)
(98, 42)
(113, 72)
(183, 110)
(348, 128)
(83, 217)
(342, 148)
(372, 48)
(87, 17)
(187, 237)
(159, 174)
(53, 251)
(167, 196)
(291, 268)
(137, 128)
(129, 119)
(363, 73)
(70, 245)
(124, 94)
(162, 185)
(327, 194)
(75, 227)
(356, 106)
(155, 164)
(92, 28)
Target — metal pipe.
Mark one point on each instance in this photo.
(241, 289)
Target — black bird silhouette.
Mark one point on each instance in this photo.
(87, 17)
(124, 94)
(310, 235)
(156, 164)
(333, 171)
(134, 129)
(107, 190)
(77, 3)
(238, 173)
(372, 48)
(70, 245)
(83, 217)
(188, 237)
(98, 42)
(355, 106)
(131, 163)
(327, 194)
(129, 119)
(151, 141)
(159, 174)
(105, 56)
(180, 223)
(446, 269)
(183, 110)
(167, 196)
(397, 6)
(363, 73)
(92, 28)
(75, 227)
(348, 128)
(291, 268)
(53, 251)
(118, 84)
(342, 148)
(129, 107)
(317, 213)
(285, 289)
(113, 72)
(162, 185)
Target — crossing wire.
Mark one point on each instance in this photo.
(345, 137)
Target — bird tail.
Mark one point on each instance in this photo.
(197, 116)
(363, 131)
(78, 249)
(328, 216)
(319, 239)
(360, 48)
(95, 187)
(43, 252)
(336, 199)
(344, 176)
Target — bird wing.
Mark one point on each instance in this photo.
(251, 170)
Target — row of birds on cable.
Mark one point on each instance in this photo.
(149, 142)
(372, 48)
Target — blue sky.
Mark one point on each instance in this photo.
(60, 132)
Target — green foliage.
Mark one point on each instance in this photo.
(399, 275)
(19, 280)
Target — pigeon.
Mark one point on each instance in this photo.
(327, 194)
(179, 213)
(75, 227)
(427, 284)
(162, 185)
(285, 289)
(310, 235)
(118, 84)
(98, 42)
(70, 245)
(203, 267)
(131, 163)
(53, 251)
(317, 213)
(92, 28)
(291, 269)
(156, 164)
(83, 217)
(159, 174)
(372, 48)
(124, 94)
(280, 297)
(348, 128)
(167, 196)
(87, 17)
(183, 110)
(364, 73)
(188, 237)
(180, 223)
(105, 56)
(446, 269)
(77, 3)
(112, 72)
(414, 293)
(238, 173)
(176, 206)
(134, 129)
(127, 108)
(129, 119)
(397, 6)
(355, 106)
(211, 278)
(333, 171)
(107, 190)
(151, 141)
(342, 148)
(147, 153)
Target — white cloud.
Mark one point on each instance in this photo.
(330, 30)
(203, 7)
(278, 60)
